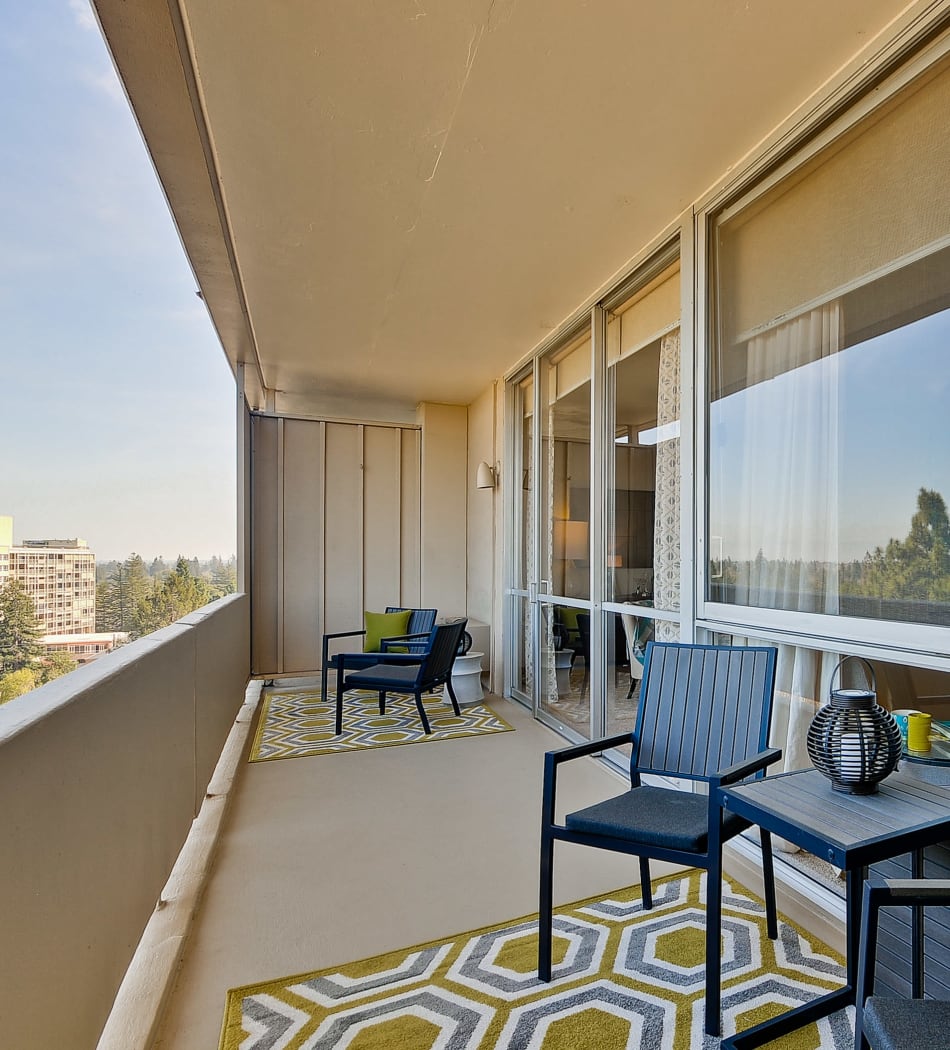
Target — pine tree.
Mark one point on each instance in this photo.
(223, 577)
(120, 599)
(19, 629)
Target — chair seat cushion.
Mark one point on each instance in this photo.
(907, 1024)
(655, 817)
(390, 675)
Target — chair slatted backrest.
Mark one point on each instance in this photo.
(420, 622)
(442, 647)
(703, 707)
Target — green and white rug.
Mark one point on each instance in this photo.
(295, 723)
(624, 979)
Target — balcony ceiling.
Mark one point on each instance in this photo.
(388, 203)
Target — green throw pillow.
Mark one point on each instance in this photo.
(383, 625)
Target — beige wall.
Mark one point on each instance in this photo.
(101, 774)
(484, 505)
(444, 500)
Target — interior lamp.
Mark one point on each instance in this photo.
(570, 537)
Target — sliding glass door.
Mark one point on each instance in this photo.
(563, 687)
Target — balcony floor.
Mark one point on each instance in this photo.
(333, 858)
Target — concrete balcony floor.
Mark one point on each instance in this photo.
(329, 859)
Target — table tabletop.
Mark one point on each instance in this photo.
(850, 831)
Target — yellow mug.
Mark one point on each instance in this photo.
(918, 731)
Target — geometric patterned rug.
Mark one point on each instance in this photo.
(297, 722)
(623, 979)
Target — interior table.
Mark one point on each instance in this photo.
(904, 816)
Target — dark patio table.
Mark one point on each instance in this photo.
(851, 831)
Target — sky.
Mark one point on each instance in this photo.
(117, 414)
(859, 464)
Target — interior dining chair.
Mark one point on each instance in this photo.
(414, 637)
(637, 631)
(703, 716)
(413, 673)
(886, 1022)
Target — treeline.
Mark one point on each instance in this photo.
(23, 662)
(913, 569)
(138, 599)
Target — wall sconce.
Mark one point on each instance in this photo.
(484, 476)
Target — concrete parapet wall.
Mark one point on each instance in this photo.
(101, 775)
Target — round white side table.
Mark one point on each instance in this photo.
(562, 670)
(467, 678)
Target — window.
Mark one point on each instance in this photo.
(828, 464)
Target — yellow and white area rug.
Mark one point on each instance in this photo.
(295, 723)
(624, 979)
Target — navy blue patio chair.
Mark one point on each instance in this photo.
(421, 622)
(413, 673)
(704, 715)
(887, 1022)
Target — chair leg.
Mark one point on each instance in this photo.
(452, 696)
(646, 886)
(768, 876)
(382, 702)
(713, 939)
(867, 951)
(632, 687)
(339, 701)
(545, 906)
(422, 713)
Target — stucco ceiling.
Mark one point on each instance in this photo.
(386, 203)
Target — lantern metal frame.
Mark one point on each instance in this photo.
(852, 740)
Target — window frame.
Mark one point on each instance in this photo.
(857, 98)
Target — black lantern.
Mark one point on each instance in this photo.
(852, 740)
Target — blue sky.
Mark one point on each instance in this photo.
(891, 397)
(117, 416)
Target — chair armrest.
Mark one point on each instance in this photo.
(552, 759)
(401, 658)
(889, 893)
(343, 634)
(746, 767)
(591, 747)
(402, 640)
(904, 892)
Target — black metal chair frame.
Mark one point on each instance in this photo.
(710, 860)
(417, 641)
(433, 668)
(895, 893)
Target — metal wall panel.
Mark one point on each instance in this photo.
(336, 530)
(381, 519)
(264, 567)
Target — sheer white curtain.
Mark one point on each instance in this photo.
(788, 520)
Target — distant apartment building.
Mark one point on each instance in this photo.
(59, 575)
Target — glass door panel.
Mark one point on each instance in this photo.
(523, 571)
(564, 490)
(643, 486)
(564, 680)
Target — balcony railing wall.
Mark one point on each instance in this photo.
(101, 775)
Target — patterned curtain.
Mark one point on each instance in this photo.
(666, 536)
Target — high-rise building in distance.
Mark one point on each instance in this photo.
(59, 575)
